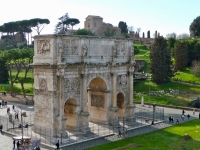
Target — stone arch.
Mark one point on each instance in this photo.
(97, 100)
(99, 76)
(120, 104)
(70, 113)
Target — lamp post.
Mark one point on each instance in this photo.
(22, 115)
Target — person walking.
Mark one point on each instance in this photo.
(1, 128)
(0, 104)
(13, 144)
(57, 145)
(193, 111)
(183, 112)
(177, 120)
(120, 133)
(182, 116)
(13, 107)
(18, 144)
(188, 116)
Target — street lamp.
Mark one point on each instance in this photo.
(22, 115)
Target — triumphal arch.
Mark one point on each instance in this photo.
(78, 79)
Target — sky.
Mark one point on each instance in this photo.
(165, 16)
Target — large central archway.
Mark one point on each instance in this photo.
(97, 100)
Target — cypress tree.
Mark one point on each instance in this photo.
(160, 61)
(180, 55)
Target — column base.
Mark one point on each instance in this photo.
(114, 120)
(84, 122)
(130, 116)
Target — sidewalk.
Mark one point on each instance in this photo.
(19, 99)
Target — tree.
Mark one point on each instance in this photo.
(109, 33)
(60, 25)
(16, 60)
(195, 27)
(38, 24)
(130, 28)
(83, 32)
(3, 72)
(171, 35)
(195, 69)
(122, 25)
(171, 43)
(180, 55)
(71, 21)
(160, 59)
(183, 36)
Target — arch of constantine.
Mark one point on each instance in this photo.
(80, 79)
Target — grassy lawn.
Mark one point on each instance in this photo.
(187, 93)
(143, 55)
(172, 138)
(17, 87)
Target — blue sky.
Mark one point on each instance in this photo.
(165, 16)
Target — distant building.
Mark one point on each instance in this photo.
(97, 26)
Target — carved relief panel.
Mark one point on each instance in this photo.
(72, 88)
(68, 47)
(97, 100)
(43, 46)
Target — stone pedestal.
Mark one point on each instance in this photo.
(84, 121)
(63, 130)
(130, 114)
(114, 120)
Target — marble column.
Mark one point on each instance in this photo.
(61, 105)
(84, 114)
(130, 88)
(114, 109)
(130, 107)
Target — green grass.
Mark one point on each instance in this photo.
(17, 87)
(167, 139)
(186, 76)
(143, 55)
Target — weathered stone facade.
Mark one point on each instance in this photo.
(80, 79)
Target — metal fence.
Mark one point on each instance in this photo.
(142, 116)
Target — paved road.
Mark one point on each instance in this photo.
(6, 141)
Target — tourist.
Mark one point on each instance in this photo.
(170, 119)
(120, 134)
(188, 117)
(1, 128)
(8, 110)
(13, 107)
(0, 104)
(13, 144)
(183, 112)
(58, 145)
(182, 116)
(18, 144)
(177, 120)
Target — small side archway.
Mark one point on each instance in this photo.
(120, 104)
(70, 113)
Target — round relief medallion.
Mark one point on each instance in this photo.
(67, 83)
(43, 84)
(123, 79)
(74, 84)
